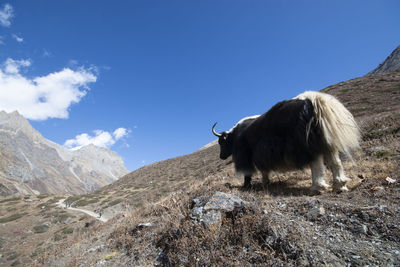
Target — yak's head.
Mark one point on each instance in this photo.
(225, 143)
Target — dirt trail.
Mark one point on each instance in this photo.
(88, 212)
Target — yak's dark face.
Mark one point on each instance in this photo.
(225, 141)
(226, 145)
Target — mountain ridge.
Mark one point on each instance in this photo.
(32, 164)
(391, 63)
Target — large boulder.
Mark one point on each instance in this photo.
(209, 210)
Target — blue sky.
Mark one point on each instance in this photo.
(149, 78)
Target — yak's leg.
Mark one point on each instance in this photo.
(247, 182)
(265, 178)
(335, 165)
(318, 175)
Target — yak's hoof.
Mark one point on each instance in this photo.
(342, 180)
(340, 184)
(340, 188)
(320, 188)
(246, 187)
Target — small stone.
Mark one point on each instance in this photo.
(361, 228)
(390, 180)
(162, 260)
(382, 208)
(315, 213)
(149, 224)
(377, 188)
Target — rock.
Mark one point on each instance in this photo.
(162, 260)
(377, 188)
(140, 226)
(206, 217)
(360, 228)
(208, 210)
(67, 220)
(376, 149)
(94, 249)
(315, 213)
(225, 202)
(382, 208)
(390, 180)
(149, 224)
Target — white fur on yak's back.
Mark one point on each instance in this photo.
(337, 123)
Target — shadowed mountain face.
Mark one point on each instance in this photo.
(29, 163)
(391, 63)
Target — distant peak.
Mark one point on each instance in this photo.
(13, 116)
(14, 113)
(91, 147)
(391, 63)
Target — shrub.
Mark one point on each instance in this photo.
(68, 230)
(40, 228)
(10, 199)
(58, 237)
(386, 154)
(36, 252)
(12, 217)
(73, 198)
(13, 256)
(113, 203)
(85, 202)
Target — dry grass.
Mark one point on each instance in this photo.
(27, 230)
(359, 227)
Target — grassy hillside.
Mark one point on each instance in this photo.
(284, 225)
(31, 225)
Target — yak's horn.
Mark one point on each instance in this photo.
(214, 132)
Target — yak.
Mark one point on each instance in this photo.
(309, 130)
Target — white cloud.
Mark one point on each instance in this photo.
(119, 133)
(18, 38)
(100, 138)
(12, 66)
(2, 40)
(6, 14)
(42, 97)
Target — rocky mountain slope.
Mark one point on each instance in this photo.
(29, 163)
(283, 225)
(391, 63)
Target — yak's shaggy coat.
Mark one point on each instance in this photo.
(305, 131)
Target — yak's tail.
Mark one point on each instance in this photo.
(337, 123)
